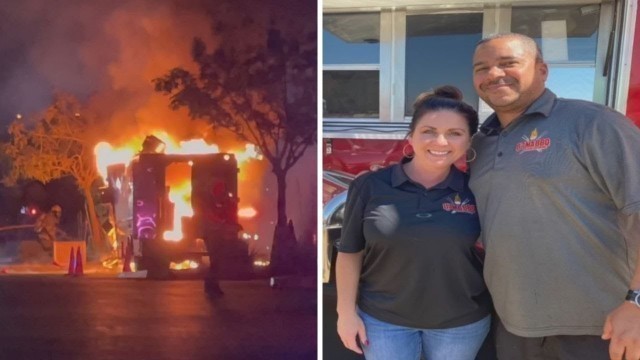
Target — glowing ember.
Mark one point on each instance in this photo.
(247, 212)
(185, 265)
(247, 236)
(261, 263)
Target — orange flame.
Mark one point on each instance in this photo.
(179, 190)
(247, 212)
(107, 155)
(185, 265)
(180, 196)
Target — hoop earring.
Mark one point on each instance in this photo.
(404, 152)
(475, 155)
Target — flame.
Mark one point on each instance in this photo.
(180, 196)
(250, 152)
(261, 263)
(179, 189)
(247, 236)
(457, 200)
(185, 265)
(106, 155)
(534, 134)
(247, 212)
(195, 146)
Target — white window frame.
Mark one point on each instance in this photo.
(496, 18)
(357, 67)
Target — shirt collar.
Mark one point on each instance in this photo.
(542, 105)
(455, 179)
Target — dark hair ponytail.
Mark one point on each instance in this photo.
(445, 97)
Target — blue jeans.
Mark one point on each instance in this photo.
(393, 342)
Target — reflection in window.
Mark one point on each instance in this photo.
(439, 50)
(568, 37)
(351, 87)
(564, 33)
(351, 39)
(572, 82)
(337, 218)
(350, 94)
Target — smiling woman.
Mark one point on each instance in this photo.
(408, 243)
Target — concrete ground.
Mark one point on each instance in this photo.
(45, 314)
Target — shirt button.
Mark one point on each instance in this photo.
(499, 153)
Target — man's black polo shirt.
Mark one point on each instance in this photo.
(419, 268)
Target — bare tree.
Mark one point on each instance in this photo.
(56, 144)
(266, 95)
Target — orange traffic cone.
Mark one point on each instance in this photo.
(128, 254)
(72, 264)
(79, 270)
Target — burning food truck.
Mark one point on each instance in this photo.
(162, 202)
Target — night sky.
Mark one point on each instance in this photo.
(107, 52)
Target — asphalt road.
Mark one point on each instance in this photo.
(55, 317)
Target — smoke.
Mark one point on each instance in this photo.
(107, 53)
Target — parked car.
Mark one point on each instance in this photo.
(334, 195)
(332, 217)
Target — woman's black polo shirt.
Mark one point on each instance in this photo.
(419, 268)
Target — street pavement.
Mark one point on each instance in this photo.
(99, 316)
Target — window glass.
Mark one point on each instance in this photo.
(351, 39)
(564, 33)
(572, 83)
(568, 38)
(439, 51)
(350, 94)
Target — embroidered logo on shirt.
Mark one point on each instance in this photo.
(533, 142)
(456, 205)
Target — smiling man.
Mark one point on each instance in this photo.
(557, 185)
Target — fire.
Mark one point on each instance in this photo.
(250, 152)
(180, 196)
(196, 146)
(179, 189)
(185, 265)
(247, 212)
(106, 155)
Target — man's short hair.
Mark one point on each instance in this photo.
(528, 42)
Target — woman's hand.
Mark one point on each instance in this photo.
(350, 328)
